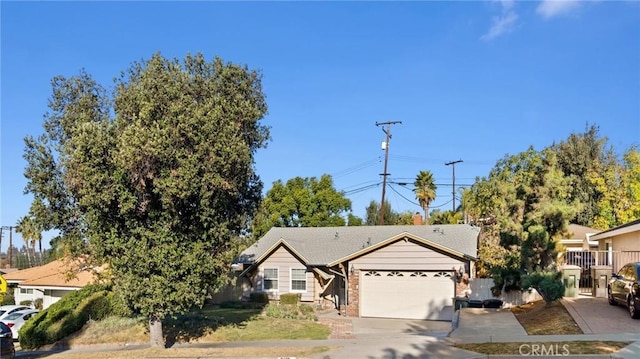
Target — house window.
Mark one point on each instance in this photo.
(298, 280)
(270, 281)
(26, 290)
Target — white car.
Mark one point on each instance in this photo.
(8, 309)
(16, 320)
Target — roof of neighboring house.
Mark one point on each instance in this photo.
(621, 229)
(326, 245)
(7, 270)
(577, 231)
(52, 274)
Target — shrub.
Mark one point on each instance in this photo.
(290, 298)
(306, 309)
(65, 317)
(548, 284)
(27, 303)
(259, 297)
(8, 298)
(37, 303)
(290, 311)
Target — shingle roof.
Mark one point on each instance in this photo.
(323, 245)
(52, 274)
(577, 231)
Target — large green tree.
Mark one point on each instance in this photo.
(446, 217)
(526, 202)
(302, 202)
(390, 217)
(157, 180)
(425, 189)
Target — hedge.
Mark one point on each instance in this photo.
(66, 316)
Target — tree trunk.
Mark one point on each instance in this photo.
(155, 332)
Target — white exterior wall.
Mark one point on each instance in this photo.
(20, 297)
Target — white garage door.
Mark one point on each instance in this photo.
(409, 295)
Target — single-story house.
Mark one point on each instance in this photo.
(622, 243)
(50, 282)
(579, 238)
(408, 271)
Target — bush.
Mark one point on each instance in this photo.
(66, 316)
(8, 298)
(290, 298)
(290, 311)
(37, 303)
(259, 297)
(548, 284)
(27, 303)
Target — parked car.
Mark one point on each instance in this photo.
(16, 320)
(8, 309)
(624, 288)
(7, 350)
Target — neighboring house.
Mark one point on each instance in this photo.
(409, 271)
(579, 238)
(50, 282)
(621, 242)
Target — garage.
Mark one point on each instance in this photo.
(407, 294)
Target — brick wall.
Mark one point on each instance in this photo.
(353, 287)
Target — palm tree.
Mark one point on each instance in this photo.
(425, 190)
(31, 233)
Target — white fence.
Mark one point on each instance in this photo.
(481, 290)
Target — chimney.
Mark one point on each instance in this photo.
(417, 219)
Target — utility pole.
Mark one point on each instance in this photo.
(453, 167)
(385, 147)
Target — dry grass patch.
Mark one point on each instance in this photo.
(112, 330)
(556, 348)
(272, 352)
(540, 318)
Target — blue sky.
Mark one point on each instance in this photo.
(472, 80)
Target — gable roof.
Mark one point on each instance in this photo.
(52, 274)
(329, 245)
(577, 231)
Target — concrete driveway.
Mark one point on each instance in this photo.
(596, 316)
(378, 338)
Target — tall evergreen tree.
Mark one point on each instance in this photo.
(157, 181)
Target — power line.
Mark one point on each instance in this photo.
(356, 168)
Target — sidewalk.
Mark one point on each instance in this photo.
(476, 325)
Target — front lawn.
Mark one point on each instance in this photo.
(540, 318)
(206, 325)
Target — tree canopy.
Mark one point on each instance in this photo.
(528, 199)
(155, 179)
(302, 202)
